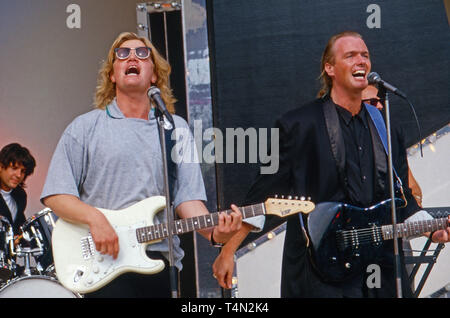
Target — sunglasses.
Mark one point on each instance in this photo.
(123, 53)
(372, 101)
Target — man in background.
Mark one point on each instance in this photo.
(16, 164)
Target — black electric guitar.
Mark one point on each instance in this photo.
(345, 239)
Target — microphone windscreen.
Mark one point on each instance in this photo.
(152, 91)
(373, 78)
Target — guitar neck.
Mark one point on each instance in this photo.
(160, 231)
(414, 228)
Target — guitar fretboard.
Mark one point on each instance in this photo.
(160, 231)
(414, 228)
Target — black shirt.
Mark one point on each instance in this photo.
(359, 165)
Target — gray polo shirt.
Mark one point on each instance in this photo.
(111, 162)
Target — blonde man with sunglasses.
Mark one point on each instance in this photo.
(110, 158)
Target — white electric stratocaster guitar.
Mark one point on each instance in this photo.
(82, 269)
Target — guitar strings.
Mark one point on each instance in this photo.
(378, 231)
(372, 235)
(402, 228)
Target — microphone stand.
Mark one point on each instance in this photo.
(398, 279)
(163, 126)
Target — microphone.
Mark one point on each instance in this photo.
(374, 78)
(155, 95)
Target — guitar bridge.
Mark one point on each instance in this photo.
(87, 247)
(341, 241)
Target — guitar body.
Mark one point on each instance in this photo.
(339, 251)
(82, 269)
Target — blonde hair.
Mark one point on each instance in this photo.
(328, 57)
(106, 89)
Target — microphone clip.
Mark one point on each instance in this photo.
(161, 112)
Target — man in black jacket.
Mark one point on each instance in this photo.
(16, 164)
(330, 151)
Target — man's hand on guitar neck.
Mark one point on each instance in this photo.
(441, 236)
(228, 224)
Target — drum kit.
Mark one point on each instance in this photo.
(26, 261)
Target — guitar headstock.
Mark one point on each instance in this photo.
(283, 207)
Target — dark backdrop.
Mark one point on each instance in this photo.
(265, 57)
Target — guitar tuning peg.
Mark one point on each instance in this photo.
(290, 197)
(276, 196)
(296, 197)
(302, 198)
(282, 196)
(309, 198)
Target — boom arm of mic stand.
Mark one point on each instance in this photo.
(398, 278)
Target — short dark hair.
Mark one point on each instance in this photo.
(14, 153)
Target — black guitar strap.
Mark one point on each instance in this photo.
(379, 159)
(380, 127)
(171, 165)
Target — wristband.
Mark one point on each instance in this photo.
(431, 236)
(214, 243)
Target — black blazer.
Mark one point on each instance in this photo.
(20, 196)
(307, 168)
